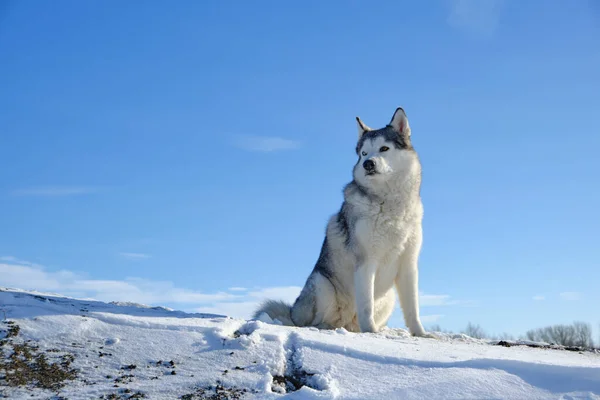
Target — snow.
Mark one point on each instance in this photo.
(126, 341)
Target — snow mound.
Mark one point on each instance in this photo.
(128, 350)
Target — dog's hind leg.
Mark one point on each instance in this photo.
(314, 306)
(303, 310)
(327, 315)
(305, 307)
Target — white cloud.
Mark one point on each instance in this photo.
(570, 296)
(131, 289)
(265, 143)
(242, 310)
(18, 261)
(245, 306)
(539, 298)
(135, 256)
(479, 17)
(236, 302)
(431, 300)
(286, 293)
(55, 191)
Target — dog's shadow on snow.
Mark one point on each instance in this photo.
(553, 378)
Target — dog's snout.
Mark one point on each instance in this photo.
(369, 165)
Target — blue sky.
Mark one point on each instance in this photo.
(190, 154)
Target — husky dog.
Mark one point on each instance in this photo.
(371, 245)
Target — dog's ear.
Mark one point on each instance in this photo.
(400, 122)
(362, 128)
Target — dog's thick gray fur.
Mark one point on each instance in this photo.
(371, 245)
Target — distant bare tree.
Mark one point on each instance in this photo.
(577, 334)
(583, 334)
(506, 336)
(563, 334)
(475, 331)
(438, 328)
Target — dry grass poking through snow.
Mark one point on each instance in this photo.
(23, 364)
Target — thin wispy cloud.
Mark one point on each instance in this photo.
(479, 17)
(265, 144)
(429, 319)
(135, 256)
(538, 298)
(15, 260)
(432, 300)
(570, 296)
(55, 191)
(136, 290)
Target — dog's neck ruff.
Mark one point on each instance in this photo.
(401, 187)
(390, 200)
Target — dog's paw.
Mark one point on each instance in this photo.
(368, 327)
(418, 331)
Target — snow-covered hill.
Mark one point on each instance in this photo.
(61, 348)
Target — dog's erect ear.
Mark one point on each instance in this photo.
(362, 128)
(400, 122)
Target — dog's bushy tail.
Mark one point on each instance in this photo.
(276, 310)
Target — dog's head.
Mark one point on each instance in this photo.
(383, 153)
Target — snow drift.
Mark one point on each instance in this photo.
(122, 351)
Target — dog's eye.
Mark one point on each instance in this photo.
(384, 148)
(364, 153)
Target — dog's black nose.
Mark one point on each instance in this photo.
(369, 165)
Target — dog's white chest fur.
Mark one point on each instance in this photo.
(385, 223)
(383, 231)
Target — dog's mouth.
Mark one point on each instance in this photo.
(370, 173)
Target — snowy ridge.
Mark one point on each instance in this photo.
(121, 351)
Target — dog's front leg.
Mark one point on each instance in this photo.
(407, 285)
(364, 291)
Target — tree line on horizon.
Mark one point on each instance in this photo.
(577, 334)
